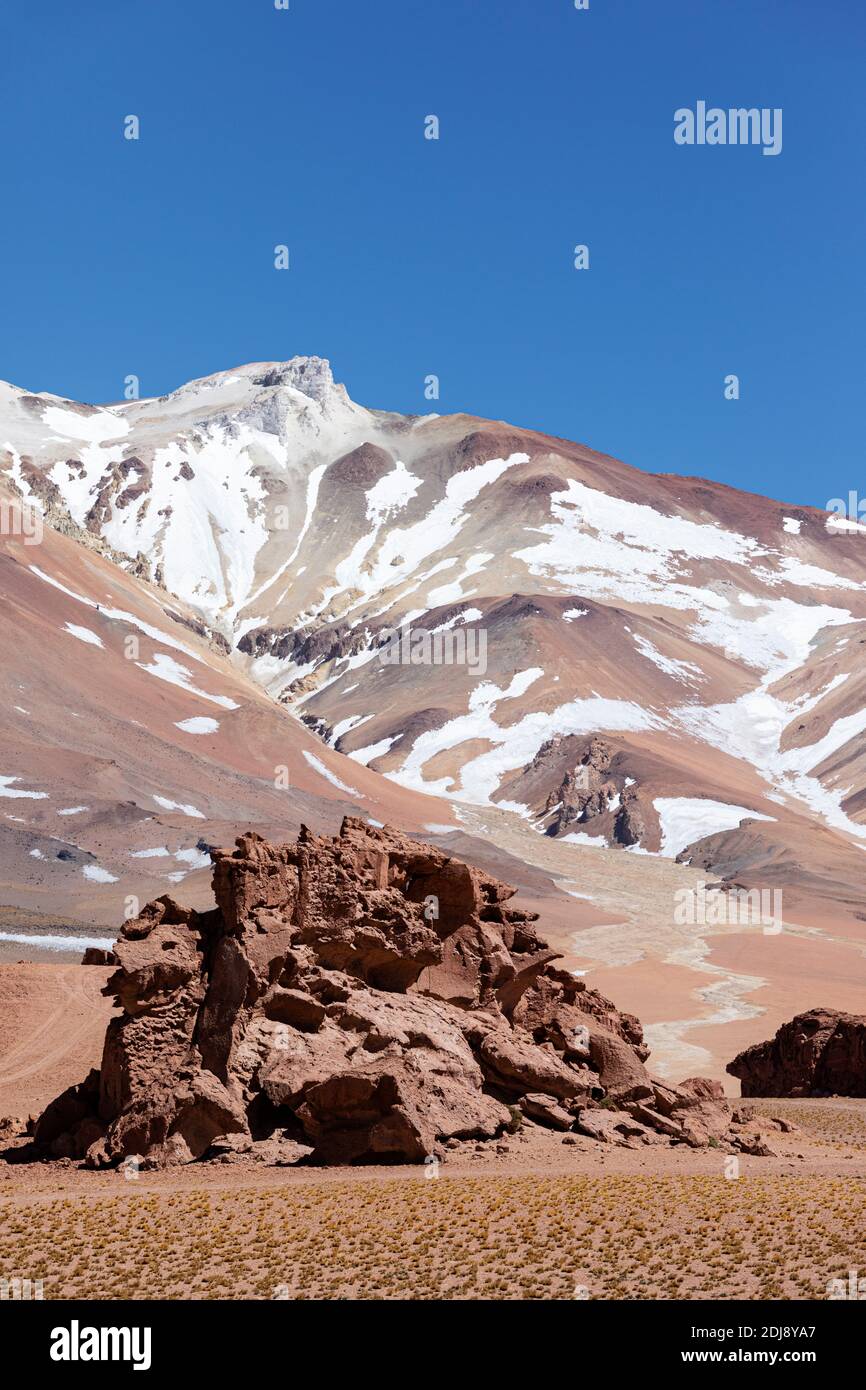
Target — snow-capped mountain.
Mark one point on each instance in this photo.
(655, 662)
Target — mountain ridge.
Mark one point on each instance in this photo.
(706, 637)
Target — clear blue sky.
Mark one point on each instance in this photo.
(454, 257)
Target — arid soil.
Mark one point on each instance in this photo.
(542, 1220)
(52, 1023)
(535, 1216)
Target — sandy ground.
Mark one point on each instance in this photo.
(52, 1025)
(29, 953)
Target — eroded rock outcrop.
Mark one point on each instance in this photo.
(821, 1052)
(355, 999)
(585, 791)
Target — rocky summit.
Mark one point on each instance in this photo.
(818, 1053)
(356, 999)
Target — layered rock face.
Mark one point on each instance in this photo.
(356, 999)
(822, 1052)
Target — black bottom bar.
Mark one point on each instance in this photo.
(63, 1339)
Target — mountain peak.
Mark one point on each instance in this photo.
(312, 376)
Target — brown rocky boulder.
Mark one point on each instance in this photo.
(360, 998)
(821, 1052)
(98, 955)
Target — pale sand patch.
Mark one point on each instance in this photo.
(661, 991)
(814, 914)
(562, 920)
(52, 1028)
(804, 974)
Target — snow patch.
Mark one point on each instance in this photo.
(514, 746)
(97, 875)
(199, 724)
(90, 429)
(165, 668)
(7, 790)
(83, 634)
(684, 819)
(343, 726)
(195, 857)
(684, 671)
(58, 943)
(328, 774)
(367, 754)
(179, 806)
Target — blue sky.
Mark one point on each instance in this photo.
(454, 257)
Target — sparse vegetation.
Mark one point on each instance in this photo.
(839, 1123)
(491, 1237)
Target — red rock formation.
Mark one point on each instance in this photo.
(822, 1052)
(361, 998)
(98, 955)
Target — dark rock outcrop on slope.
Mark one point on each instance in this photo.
(361, 998)
(822, 1052)
(584, 792)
